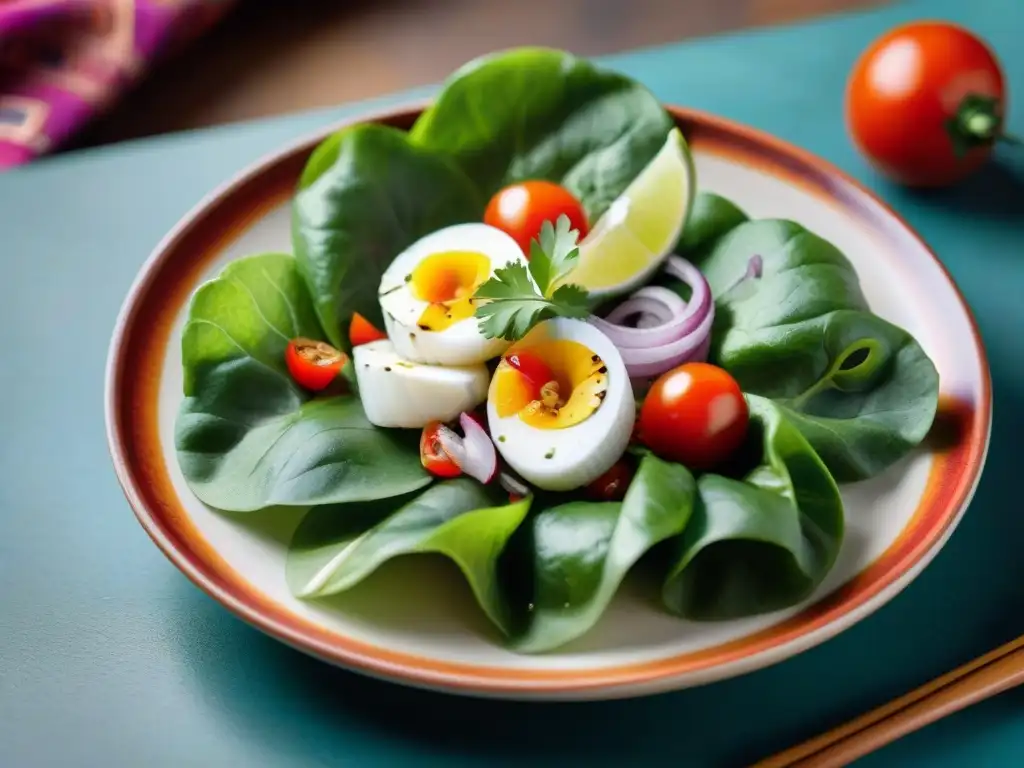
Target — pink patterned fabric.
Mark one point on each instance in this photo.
(62, 61)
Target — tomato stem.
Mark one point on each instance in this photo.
(986, 127)
(977, 123)
(983, 126)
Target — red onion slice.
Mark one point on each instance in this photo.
(654, 361)
(513, 485)
(481, 458)
(652, 303)
(668, 330)
(474, 453)
(755, 266)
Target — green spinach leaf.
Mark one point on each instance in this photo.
(874, 400)
(712, 217)
(763, 542)
(366, 195)
(246, 436)
(535, 113)
(336, 547)
(803, 276)
(861, 389)
(250, 310)
(581, 551)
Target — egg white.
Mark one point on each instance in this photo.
(399, 393)
(461, 343)
(564, 459)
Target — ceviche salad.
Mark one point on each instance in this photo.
(517, 335)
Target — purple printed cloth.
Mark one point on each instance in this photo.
(63, 61)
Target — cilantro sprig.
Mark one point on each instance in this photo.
(515, 303)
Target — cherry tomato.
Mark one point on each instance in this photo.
(521, 209)
(432, 453)
(533, 369)
(362, 331)
(694, 414)
(612, 485)
(313, 364)
(925, 103)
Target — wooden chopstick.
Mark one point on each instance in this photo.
(986, 676)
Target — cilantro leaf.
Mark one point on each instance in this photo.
(511, 305)
(555, 255)
(512, 320)
(508, 282)
(572, 301)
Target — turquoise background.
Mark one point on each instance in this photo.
(110, 657)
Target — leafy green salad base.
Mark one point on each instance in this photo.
(836, 394)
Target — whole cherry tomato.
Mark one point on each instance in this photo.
(433, 457)
(362, 331)
(694, 414)
(521, 209)
(925, 103)
(612, 485)
(313, 364)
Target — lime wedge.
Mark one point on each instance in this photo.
(630, 241)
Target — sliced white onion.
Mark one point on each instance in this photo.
(513, 484)
(668, 330)
(474, 453)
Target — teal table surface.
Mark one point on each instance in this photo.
(110, 657)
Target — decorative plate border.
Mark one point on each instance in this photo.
(164, 286)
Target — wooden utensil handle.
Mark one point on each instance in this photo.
(979, 679)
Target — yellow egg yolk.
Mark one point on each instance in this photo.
(448, 281)
(579, 382)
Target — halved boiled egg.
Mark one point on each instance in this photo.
(427, 294)
(400, 393)
(560, 405)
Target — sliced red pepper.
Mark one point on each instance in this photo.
(313, 364)
(362, 331)
(433, 456)
(612, 485)
(533, 369)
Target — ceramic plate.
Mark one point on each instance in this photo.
(415, 621)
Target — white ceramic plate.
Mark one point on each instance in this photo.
(415, 621)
